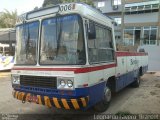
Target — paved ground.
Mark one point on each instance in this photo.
(145, 99)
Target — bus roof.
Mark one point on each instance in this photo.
(66, 8)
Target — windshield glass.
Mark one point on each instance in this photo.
(62, 41)
(27, 36)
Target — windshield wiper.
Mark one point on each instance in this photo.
(59, 36)
(27, 45)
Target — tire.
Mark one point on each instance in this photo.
(104, 104)
(137, 82)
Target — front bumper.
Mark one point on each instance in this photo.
(79, 103)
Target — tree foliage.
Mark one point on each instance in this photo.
(54, 2)
(8, 19)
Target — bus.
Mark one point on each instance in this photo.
(66, 58)
(6, 59)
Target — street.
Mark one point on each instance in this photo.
(145, 99)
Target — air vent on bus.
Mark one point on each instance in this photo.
(38, 81)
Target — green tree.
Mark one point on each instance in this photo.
(54, 2)
(8, 19)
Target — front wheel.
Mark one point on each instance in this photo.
(104, 104)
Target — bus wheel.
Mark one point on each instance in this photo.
(136, 83)
(104, 104)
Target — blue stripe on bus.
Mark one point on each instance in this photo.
(126, 79)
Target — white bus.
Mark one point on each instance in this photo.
(66, 58)
(6, 60)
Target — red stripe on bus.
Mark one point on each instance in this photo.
(75, 70)
(91, 69)
(121, 54)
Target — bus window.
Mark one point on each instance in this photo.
(101, 49)
(27, 36)
(91, 31)
(62, 41)
(1, 50)
(6, 51)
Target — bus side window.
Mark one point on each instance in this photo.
(1, 50)
(92, 46)
(100, 47)
(91, 31)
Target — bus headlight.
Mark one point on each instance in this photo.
(62, 83)
(65, 83)
(70, 83)
(15, 79)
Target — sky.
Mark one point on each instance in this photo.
(21, 6)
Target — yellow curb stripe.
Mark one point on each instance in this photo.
(83, 102)
(47, 101)
(75, 103)
(65, 104)
(39, 99)
(56, 103)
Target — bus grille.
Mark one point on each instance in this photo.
(38, 81)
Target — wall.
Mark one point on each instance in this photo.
(108, 6)
(141, 18)
(153, 56)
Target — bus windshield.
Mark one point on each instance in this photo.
(62, 41)
(27, 36)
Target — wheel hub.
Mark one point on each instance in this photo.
(107, 94)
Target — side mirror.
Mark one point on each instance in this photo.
(91, 31)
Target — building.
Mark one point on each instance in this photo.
(138, 25)
(112, 8)
(140, 20)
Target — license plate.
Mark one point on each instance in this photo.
(32, 98)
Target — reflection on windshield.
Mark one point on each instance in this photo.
(27, 36)
(62, 41)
